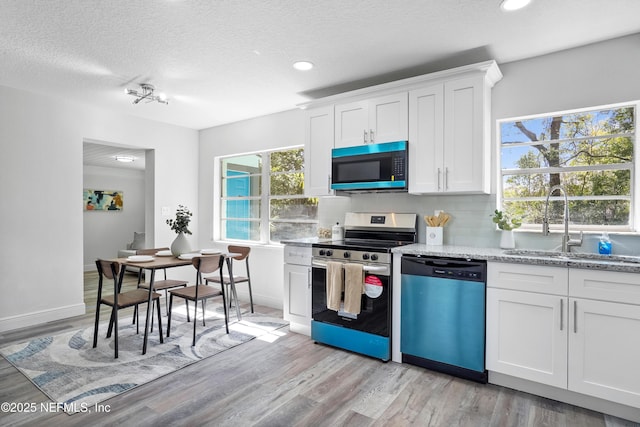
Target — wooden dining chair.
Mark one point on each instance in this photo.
(243, 252)
(160, 285)
(118, 300)
(204, 265)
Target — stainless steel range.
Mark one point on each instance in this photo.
(366, 249)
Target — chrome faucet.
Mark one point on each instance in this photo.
(567, 242)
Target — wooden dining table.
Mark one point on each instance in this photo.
(162, 262)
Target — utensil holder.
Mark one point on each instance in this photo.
(434, 236)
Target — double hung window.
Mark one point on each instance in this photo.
(590, 153)
(262, 197)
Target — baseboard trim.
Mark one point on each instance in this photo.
(567, 396)
(300, 329)
(260, 299)
(39, 317)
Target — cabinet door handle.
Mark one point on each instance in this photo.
(308, 278)
(364, 139)
(446, 178)
(439, 178)
(328, 183)
(371, 136)
(561, 313)
(575, 317)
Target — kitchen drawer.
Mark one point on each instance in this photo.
(531, 278)
(612, 286)
(299, 255)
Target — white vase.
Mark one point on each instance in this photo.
(180, 245)
(507, 239)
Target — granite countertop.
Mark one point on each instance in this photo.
(306, 241)
(630, 264)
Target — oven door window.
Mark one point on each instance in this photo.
(374, 314)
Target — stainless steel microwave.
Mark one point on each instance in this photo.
(372, 167)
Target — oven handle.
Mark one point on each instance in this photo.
(367, 268)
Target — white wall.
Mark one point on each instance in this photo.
(593, 75)
(41, 182)
(262, 133)
(106, 232)
(598, 74)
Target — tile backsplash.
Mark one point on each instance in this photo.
(470, 223)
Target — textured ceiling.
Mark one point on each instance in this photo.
(224, 61)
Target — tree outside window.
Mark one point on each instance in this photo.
(290, 212)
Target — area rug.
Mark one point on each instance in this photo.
(76, 376)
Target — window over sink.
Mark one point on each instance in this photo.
(262, 197)
(590, 152)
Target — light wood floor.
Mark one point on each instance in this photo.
(294, 382)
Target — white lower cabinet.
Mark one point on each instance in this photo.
(566, 339)
(527, 330)
(297, 289)
(527, 336)
(604, 338)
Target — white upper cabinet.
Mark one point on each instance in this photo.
(445, 116)
(382, 119)
(466, 146)
(317, 150)
(449, 137)
(426, 139)
(352, 124)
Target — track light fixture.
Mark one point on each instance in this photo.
(147, 94)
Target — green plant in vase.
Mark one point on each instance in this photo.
(181, 223)
(181, 226)
(507, 224)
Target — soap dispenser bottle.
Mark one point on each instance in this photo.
(604, 245)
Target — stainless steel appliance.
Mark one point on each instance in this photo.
(371, 167)
(443, 315)
(368, 240)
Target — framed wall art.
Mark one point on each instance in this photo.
(102, 200)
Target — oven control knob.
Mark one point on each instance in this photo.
(321, 252)
(374, 257)
(365, 256)
(346, 254)
(329, 252)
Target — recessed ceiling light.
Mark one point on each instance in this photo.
(125, 159)
(510, 5)
(303, 65)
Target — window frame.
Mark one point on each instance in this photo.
(264, 198)
(634, 197)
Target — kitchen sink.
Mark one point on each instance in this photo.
(573, 256)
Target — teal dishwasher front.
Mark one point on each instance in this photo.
(443, 315)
